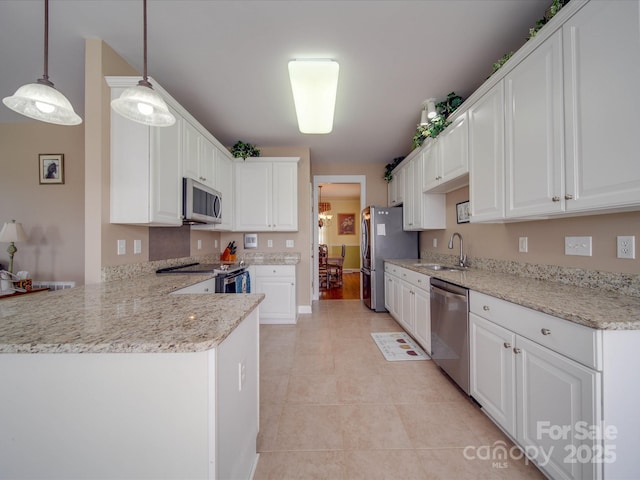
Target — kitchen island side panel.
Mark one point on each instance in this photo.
(109, 415)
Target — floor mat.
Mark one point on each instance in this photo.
(398, 346)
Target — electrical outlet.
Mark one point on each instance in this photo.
(577, 246)
(122, 247)
(626, 246)
(270, 243)
(215, 243)
(523, 244)
(289, 244)
(435, 243)
(137, 247)
(199, 244)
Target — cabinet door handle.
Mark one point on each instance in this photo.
(568, 196)
(555, 199)
(486, 308)
(516, 350)
(507, 345)
(546, 331)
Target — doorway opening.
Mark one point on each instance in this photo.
(337, 203)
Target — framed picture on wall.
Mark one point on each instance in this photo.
(51, 167)
(346, 224)
(462, 212)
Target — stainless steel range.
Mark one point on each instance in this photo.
(230, 278)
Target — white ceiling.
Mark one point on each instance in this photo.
(226, 61)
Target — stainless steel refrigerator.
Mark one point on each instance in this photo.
(382, 237)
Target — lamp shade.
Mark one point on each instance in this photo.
(314, 84)
(42, 102)
(143, 105)
(12, 232)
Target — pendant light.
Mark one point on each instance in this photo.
(40, 100)
(141, 103)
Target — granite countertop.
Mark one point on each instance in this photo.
(603, 310)
(135, 315)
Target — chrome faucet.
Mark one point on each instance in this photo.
(462, 262)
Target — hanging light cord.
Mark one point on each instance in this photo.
(45, 77)
(144, 82)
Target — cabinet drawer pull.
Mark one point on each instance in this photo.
(516, 350)
(486, 308)
(507, 345)
(568, 196)
(555, 199)
(546, 331)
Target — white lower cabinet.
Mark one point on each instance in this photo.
(278, 283)
(549, 384)
(407, 297)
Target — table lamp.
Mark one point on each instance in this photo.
(12, 232)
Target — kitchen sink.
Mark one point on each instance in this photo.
(436, 267)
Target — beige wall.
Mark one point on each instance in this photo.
(301, 238)
(545, 238)
(52, 215)
(101, 60)
(331, 231)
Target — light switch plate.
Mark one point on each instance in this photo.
(199, 244)
(270, 243)
(577, 246)
(137, 247)
(523, 244)
(122, 247)
(289, 244)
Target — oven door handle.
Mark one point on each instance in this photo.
(233, 276)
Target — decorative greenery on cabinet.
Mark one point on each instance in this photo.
(244, 150)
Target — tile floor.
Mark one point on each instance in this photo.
(333, 408)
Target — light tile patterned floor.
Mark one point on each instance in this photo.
(333, 408)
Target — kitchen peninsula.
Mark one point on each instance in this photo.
(125, 380)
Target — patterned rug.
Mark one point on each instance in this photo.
(398, 346)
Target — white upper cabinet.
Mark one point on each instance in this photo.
(486, 156)
(146, 187)
(199, 156)
(421, 211)
(266, 194)
(570, 120)
(148, 163)
(395, 188)
(448, 165)
(534, 132)
(602, 121)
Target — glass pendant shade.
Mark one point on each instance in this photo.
(143, 105)
(42, 102)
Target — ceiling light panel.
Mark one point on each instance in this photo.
(314, 84)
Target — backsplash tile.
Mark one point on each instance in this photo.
(623, 283)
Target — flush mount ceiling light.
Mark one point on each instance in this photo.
(314, 84)
(141, 103)
(40, 100)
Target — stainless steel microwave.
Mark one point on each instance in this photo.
(200, 204)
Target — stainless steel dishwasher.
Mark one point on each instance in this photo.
(450, 330)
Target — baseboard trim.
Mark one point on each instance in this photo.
(278, 321)
(304, 309)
